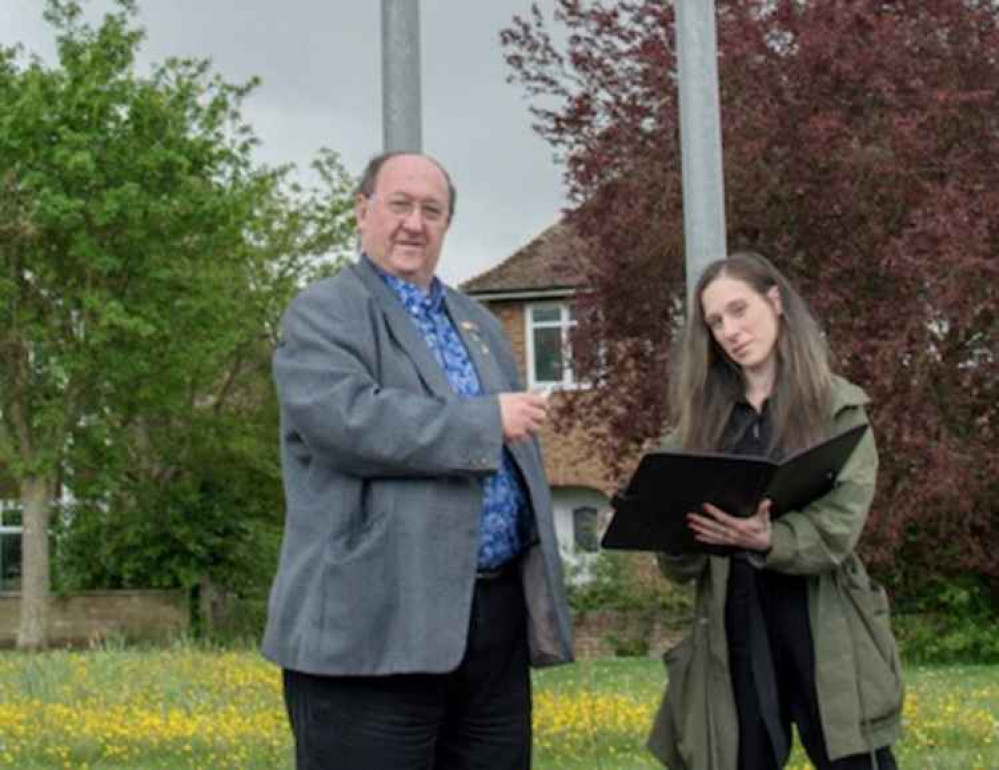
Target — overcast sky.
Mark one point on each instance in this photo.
(321, 69)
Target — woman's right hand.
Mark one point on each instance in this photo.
(715, 527)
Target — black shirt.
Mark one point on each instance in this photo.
(749, 432)
(764, 610)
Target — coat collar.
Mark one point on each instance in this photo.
(845, 394)
(477, 343)
(404, 330)
(466, 321)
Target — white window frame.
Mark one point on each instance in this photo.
(9, 529)
(565, 323)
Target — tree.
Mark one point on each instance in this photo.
(862, 154)
(144, 255)
(188, 494)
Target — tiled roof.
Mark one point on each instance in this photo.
(547, 262)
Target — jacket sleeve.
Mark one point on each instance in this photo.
(820, 536)
(336, 412)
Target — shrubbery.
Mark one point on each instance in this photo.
(952, 621)
(949, 620)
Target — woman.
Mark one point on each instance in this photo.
(789, 629)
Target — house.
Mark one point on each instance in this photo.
(10, 534)
(531, 292)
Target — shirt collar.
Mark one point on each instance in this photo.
(743, 403)
(414, 299)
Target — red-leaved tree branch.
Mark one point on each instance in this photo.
(861, 150)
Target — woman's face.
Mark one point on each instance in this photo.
(743, 322)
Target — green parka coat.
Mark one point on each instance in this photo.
(858, 675)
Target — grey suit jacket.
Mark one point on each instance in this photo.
(383, 467)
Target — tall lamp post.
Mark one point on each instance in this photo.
(401, 106)
(700, 138)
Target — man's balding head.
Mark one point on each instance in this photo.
(403, 208)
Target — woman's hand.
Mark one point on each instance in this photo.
(715, 527)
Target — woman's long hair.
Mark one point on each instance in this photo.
(706, 383)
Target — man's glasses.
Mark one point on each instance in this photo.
(403, 207)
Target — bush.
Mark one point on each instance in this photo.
(629, 583)
(619, 580)
(953, 620)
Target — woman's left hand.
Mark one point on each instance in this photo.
(715, 527)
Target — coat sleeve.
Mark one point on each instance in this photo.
(336, 412)
(820, 536)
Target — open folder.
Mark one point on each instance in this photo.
(650, 514)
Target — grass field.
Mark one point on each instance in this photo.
(183, 708)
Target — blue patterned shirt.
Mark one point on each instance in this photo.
(502, 529)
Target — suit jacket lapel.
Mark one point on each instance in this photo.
(490, 375)
(404, 330)
(478, 347)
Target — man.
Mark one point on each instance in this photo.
(419, 573)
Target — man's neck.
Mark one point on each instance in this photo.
(425, 286)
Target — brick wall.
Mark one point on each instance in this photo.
(511, 315)
(159, 616)
(606, 633)
(90, 616)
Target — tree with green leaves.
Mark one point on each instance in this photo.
(145, 257)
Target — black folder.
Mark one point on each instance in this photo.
(650, 514)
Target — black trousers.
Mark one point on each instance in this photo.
(772, 661)
(477, 717)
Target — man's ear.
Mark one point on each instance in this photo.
(361, 203)
(773, 294)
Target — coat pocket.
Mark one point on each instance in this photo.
(359, 516)
(879, 668)
(670, 735)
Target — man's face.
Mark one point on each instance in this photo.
(403, 222)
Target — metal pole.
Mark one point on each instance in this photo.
(401, 117)
(700, 137)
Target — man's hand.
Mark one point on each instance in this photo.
(718, 528)
(522, 414)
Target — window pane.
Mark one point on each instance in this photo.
(584, 527)
(548, 355)
(10, 562)
(546, 313)
(11, 517)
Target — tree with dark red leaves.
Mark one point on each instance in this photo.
(861, 149)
